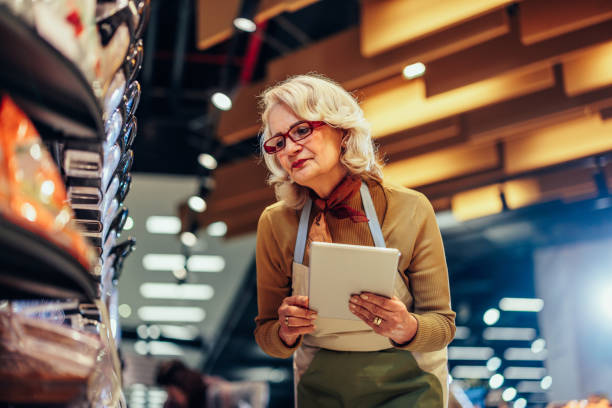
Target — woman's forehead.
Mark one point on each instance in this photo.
(281, 118)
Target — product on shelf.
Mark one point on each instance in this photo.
(34, 195)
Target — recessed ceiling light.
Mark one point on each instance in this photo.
(163, 262)
(521, 304)
(217, 229)
(496, 381)
(491, 316)
(413, 71)
(189, 239)
(158, 224)
(197, 203)
(245, 24)
(171, 314)
(205, 263)
(221, 101)
(207, 161)
(184, 291)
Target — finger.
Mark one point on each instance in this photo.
(371, 307)
(366, 316)
(297, 322)
(381, 301)
(300, 312)
(297, 301)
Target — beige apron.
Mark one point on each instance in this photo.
(337, 334)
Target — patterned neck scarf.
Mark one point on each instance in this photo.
(336, 206)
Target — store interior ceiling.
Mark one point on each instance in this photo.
(508, 133)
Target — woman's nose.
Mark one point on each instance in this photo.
(292, 147)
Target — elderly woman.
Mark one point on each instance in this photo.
(317, 146)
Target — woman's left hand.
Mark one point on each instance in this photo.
(387, 317)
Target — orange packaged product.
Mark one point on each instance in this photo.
(32, 192)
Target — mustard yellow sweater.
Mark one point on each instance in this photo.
(408, 223)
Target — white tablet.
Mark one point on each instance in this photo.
(338, 270)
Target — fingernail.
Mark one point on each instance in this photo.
(364, 296)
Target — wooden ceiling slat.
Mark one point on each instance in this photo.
(558, 144)
(442, 164)
(530, 112)
(339, 58)
(541, 19)
(406, 106)
(506, 54)
(390, 24)
(589, 70)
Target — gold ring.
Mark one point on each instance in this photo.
(377, 321)
(287, 321)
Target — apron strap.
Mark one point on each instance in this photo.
(368, 205)
(300, 242)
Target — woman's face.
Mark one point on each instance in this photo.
(312, 162)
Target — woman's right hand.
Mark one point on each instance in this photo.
(295, 319)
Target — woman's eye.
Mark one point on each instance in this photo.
(280, 142)
(302, 131)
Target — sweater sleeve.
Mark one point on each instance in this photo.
(273, 285)
(428, 281)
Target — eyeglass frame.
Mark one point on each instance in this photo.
(312, 124)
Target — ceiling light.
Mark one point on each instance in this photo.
(245, 24)
(509, 394)
(207, 161)
(509, 333)
(217, 229)
(520, 403)
(197, 203)
(184, 291)
(521, 304)
(163, 262)
(546, 382)
(141, 347)
(180, 273)
(179, 332)
(129, 224)
(491, 316)
(142, 331)
(469, 353)
(205, 263)
(469, 371)
(529, 386)
(413, 71)
(124, 310)
(496, 381)
(189, 239)
(524, 373)
(153, 332)
(221, 101)
(171, 314)
(494, 363)
(158, 224)
(164, 348)
(538, 345)
(462, 333)
(523, 354)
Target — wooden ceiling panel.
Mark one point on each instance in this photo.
(391, 23)
(476, 203)
(506, 54)
(542, 19)
(406, 106)
(442, 164)
(557, 144)
(588, 70)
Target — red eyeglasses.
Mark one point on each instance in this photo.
(299, 131)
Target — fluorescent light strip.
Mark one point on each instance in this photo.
(469, 353)
(524, 373)
(528, 387)
(462, 333)
(205, 263)
(158, 224)
(179, 332)
(465, 371)
(163, 262)
(509, 333)
(164, 348)
(171, 314)
(521, 304)
(523, 354)
(185, 291)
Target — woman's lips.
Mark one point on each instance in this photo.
(298, 163)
